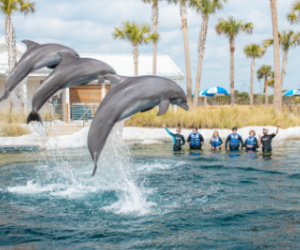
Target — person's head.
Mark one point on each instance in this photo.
(252, 133)
(265, 131)
(178, 130)
(216, 134)
(195, 130)
(234, 130)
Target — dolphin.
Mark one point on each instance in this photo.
(127, 96)
(72, 71)
(36, 56)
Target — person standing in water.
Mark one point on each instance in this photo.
(234, 140)
(216, 142)
(266, 139)
(195, 139)
(251, 142)
(178, 139)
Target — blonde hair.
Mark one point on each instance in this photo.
(214, 133)
(252, 131)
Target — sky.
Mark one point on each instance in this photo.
(87, 27)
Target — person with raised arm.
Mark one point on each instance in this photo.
(178, 139)
(266, 139)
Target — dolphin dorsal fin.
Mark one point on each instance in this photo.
(114, 79)
(30, 44)
(66, 56)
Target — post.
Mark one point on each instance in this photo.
(66, 113)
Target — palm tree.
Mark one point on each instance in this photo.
(137, 35)
(265, 71)
(287, 39)
(205, 8)
(294, 16)
(231, 28)
(8, 7)
(154, 24)
(253, 51)
(183, 15)
(277, 93)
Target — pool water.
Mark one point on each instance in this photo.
(145, 196)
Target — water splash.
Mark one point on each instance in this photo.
(61, 174)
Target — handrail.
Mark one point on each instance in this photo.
(84, 114)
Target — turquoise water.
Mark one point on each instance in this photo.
(144, 196)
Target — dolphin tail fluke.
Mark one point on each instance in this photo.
(34, 116)
(5, 95)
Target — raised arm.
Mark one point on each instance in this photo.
(277, 129)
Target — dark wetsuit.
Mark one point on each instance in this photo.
(216, 142)
(234, 142)
(178, 140)
(195, 140)
(266, 141)
(251, 141)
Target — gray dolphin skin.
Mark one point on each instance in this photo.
(36, 56)
(72, 71)
(127, 96)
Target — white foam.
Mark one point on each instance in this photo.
(60, 179)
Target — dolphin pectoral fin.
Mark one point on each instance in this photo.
(5, 95)
(29, 44)
(115, 79)
(101, 80)
(34, 116)
(163, 107)
(66, 56)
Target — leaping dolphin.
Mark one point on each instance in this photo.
(127, 96)
(72, 71)
(36, 56)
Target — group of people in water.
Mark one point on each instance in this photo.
(234, 140)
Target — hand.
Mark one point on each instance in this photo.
(163, 125)
(278, 125)
(259, 136)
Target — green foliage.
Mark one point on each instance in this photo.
(10, 6)
(254, 51)
(135, 33)
(232, 27)
(206, 7)
(287, 39)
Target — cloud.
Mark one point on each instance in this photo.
(87, 26)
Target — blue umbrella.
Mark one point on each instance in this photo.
(292, 92)
(215, 91)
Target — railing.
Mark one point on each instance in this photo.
(82, 112)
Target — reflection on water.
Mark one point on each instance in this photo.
(147, 196)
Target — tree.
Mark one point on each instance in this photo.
(253, 51)
(294, 16)
(137, 35)
(183, 15)
(265, 71)
(205, 8)
(231, 28)
(277, 92)
(154, 24)
(287, 39)
(8, 7)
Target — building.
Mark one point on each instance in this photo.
(70, 103)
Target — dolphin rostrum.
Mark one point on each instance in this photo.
(72, 71)
(36, 56)
(127, 96)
